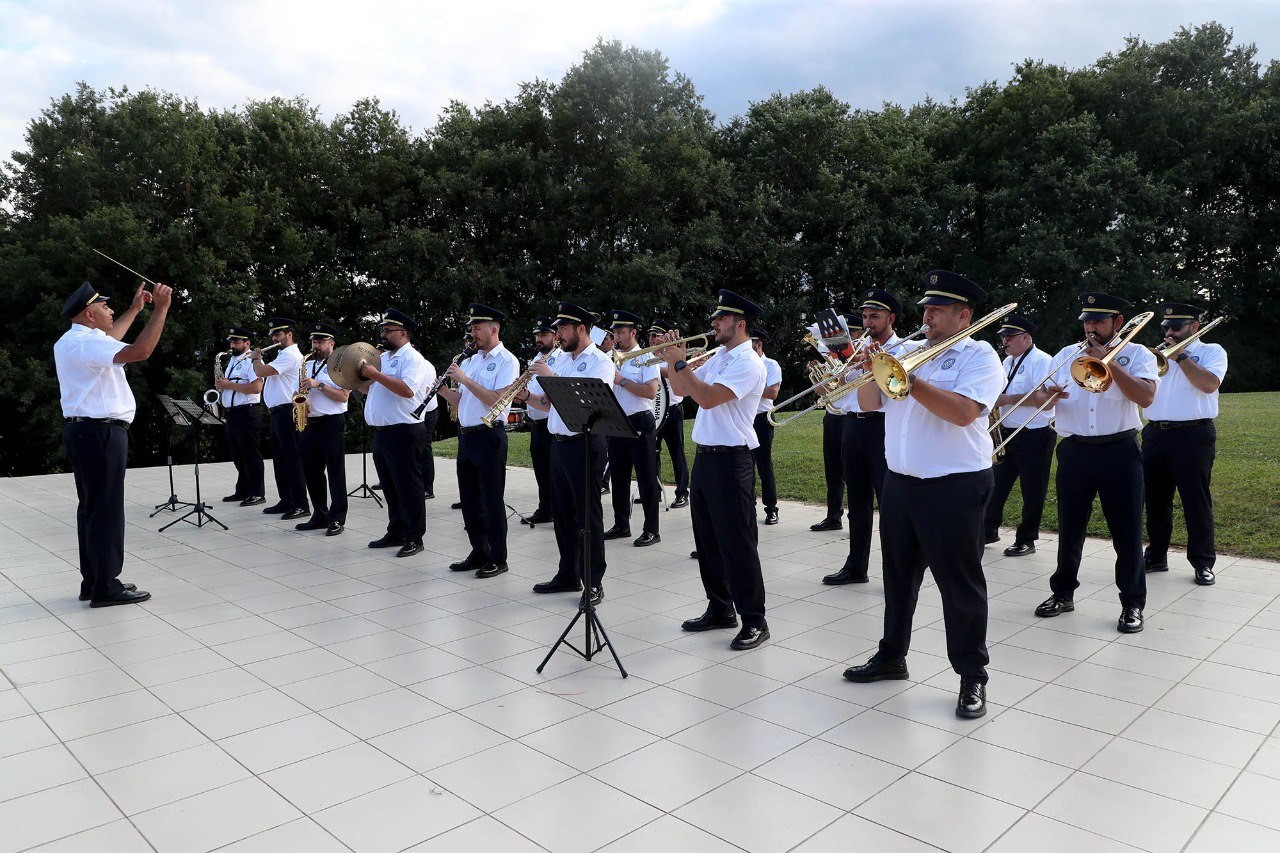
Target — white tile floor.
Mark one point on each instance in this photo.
(286, 691)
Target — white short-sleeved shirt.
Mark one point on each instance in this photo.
(239, 369)
(917, 442)
(280, 388)
(634, 373)
(772, 376)
(535, 390)
(1031, 372)
(1105, 413)
(495, 369)
(849, 402)
(591, 362)
(318, 402)
(91, 384)
(383, 407)
(730, 424)
(1177, 399)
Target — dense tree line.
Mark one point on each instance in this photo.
(1151, 173)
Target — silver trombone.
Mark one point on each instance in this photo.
(837, 383)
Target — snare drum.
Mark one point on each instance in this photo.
(515, 420)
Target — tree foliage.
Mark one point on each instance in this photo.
(1150, 174)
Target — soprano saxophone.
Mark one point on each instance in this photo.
(300, 407)
(522, 382)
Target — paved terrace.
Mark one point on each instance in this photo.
(286, 691)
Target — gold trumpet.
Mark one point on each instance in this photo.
(1164, 354)
(894, 375)
(706, 339)
(1094, 374)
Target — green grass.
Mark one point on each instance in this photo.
(1246, 476)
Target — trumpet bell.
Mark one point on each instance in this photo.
(344, 363)
(1091, 374)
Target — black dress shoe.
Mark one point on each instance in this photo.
(972, 702)
(680, 502)
(1020, 549)
(1157, 567)
(541, 517)
(295, 513)
(991, 538)
(491, 570)
(429, 495)
(121, 596)
(844, 576)
(413, 546)
(647, 539)
(1205, 577)
(710, 621)
(233, 498)
(827, 524)
(276, 509)
(637, 500)
(253, 500)
(86, 595)
(458, 505)
(595, 596)
(377, 487)
(877, 669)
(617, 533)
(693, 555)
(1130, 620)
(387, 541)
(557, 585)
(771, 516)
(749, 637)
(470, 564)
(335, 528)
(1052, 606)
(312, 524)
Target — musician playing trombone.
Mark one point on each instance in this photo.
(862, 442)
(239, 393)
(1098, 456)
(1179, 443)
(482, 449)
(938, 453)
(1029, 454)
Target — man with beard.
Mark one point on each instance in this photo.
(634, 386)
(544, 341)
(322, 445)
(279, 385)
(240, 391)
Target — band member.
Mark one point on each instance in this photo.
(763, 454)
(727, 389)
(938, 452)
(544, 341)
(862, 444)
(832, 468)
(322, 445)
(671, 431)
(1098, 456)
(482, 450)
(572, 508)
(400, 382)
(428, 461)
(98, 407)
(1029, 456)
(635, 387)
(1179, 443)
(280, 384)
(240, 391)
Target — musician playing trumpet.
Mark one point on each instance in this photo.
(239, 393)
(280, 384)
(482, 449)
(635, 385)
(324, 458)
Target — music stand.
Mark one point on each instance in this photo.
(587, 406)
(191, 414)
(363, 490)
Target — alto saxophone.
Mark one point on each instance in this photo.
(509, 396)
(300, 408)
(213, 395)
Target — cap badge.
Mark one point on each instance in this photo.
(1091, 301)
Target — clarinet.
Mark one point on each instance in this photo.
(431, 392)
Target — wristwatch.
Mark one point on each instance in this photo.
(1181, 356)
(623, 383)
(679, 365)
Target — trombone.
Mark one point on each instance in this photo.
(894, 375)
(1094, 374)
(706, 338)
(835, 380)
(994, 429)
(1165, 354)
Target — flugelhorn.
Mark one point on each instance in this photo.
(894, 375)
(1164, 354)
(706, 338)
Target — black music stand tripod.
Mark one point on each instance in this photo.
(190, 414)
(363, 490)
(587, 406)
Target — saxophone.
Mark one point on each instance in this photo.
(213, 395)
(522, 382)
(300, 407)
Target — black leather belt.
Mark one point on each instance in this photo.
(241, 406)
(394, 426)
(865, 415)
(558, 437)
(275, 409)
(482, 428)
(723, 448)
(322, 417)
(1179, 424)
(1103, 439)
(107, 421)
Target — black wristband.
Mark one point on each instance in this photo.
(679, 365)
(1181, 356)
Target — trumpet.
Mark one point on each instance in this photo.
(1094, 374)
(1164, 354)
(834, 380)
(706, 338)
(691, 355)
(894, 376)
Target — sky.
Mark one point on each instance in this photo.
(417, 55)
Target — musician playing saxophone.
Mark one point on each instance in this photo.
(280, 383)
(240, 391)
(482, 450)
